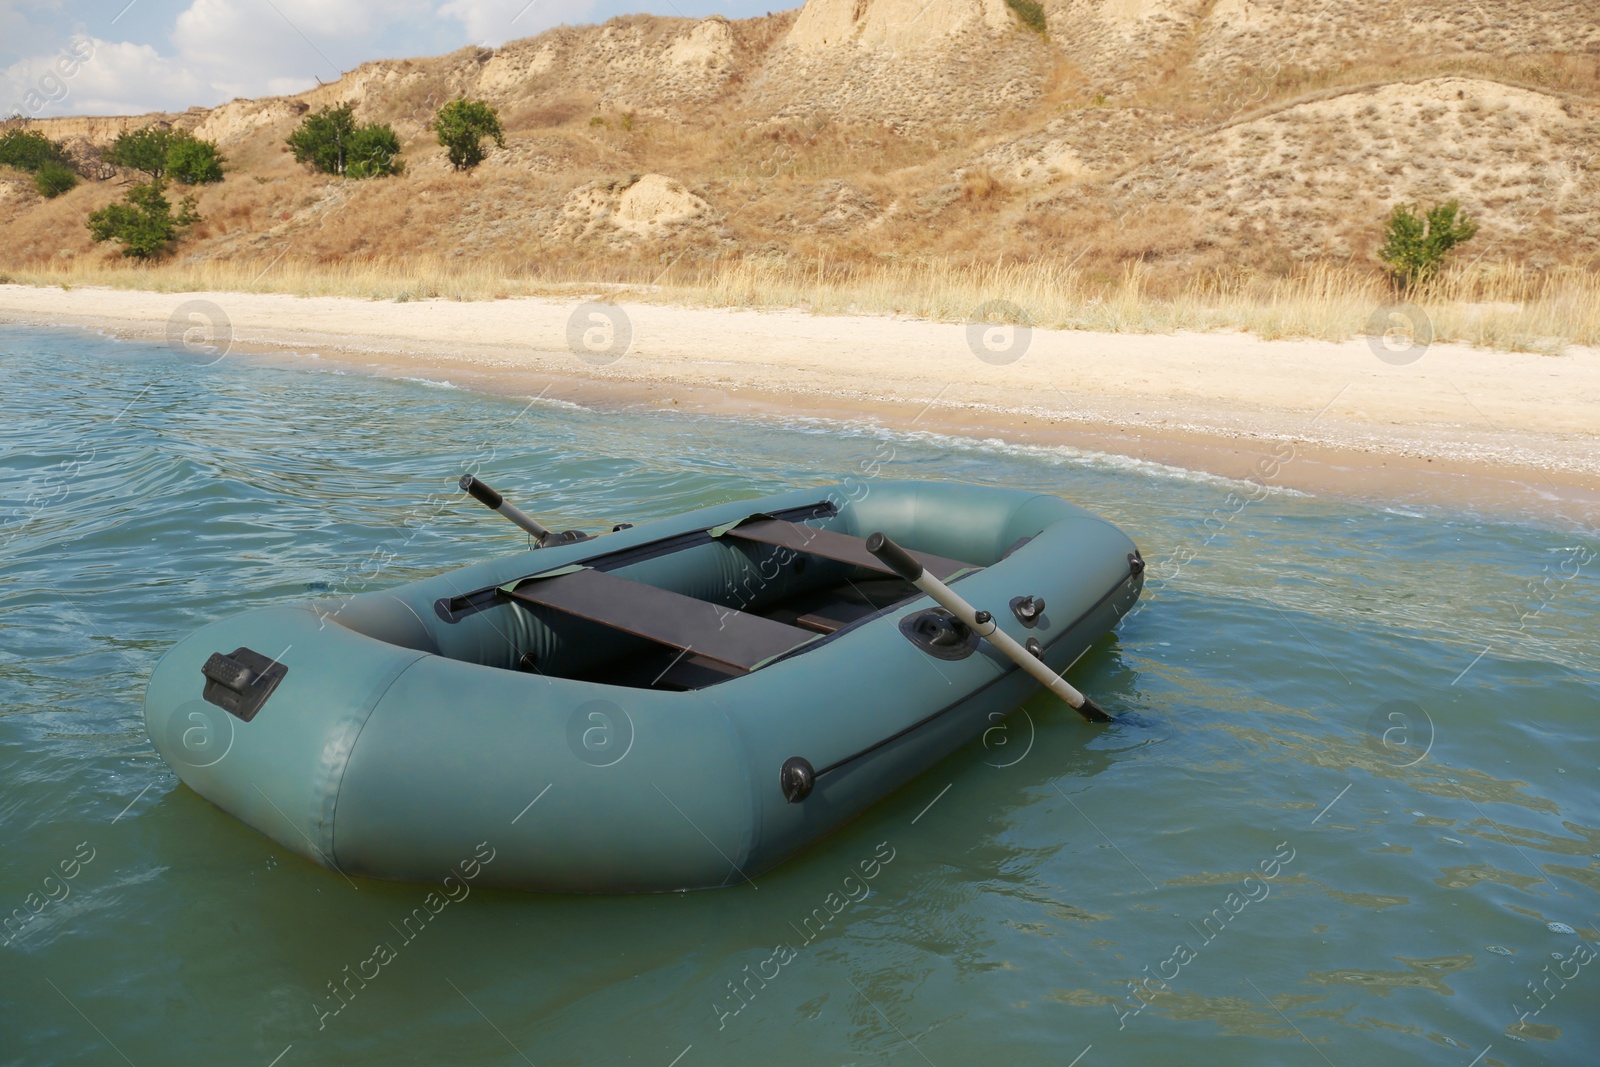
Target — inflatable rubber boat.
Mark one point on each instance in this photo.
(679, 704)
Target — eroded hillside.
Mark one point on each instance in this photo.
(1187, 134)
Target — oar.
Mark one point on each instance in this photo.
(498, 504)
(905, 565)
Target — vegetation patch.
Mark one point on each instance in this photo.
(144, 223)
(1032, 16)
(161, 153)
(1416, 243)
(331, 142)
(462, 126)
(46, 160)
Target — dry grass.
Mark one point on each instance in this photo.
(1199, 174)
(399, 279)
(1493, 307)
(1501, 308)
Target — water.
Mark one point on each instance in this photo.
(1392, 714)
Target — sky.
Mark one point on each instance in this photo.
(113, 57)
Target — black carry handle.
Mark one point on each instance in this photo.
(894, 557)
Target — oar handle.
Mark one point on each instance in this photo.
(485, 495)
(895, 558)
(906, 566)
(481, 492)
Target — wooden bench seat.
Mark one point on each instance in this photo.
(836, 546)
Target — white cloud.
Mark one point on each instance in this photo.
(221, 49)
(248, 44)
(29, 26)
(281, 87)
(95, 77)
(495, 22)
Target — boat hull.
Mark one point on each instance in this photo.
(390, 749)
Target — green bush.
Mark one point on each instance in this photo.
(330, 141)
(1031, 14)
(143, 223)
(144, 150)
(1415, 243)
(320, 138)
(162, 152)
(29, 150)
(374, 152)
(32, 151)
(52, 179)
(193, 161)
(462, 125)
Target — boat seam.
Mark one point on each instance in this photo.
(338, 792)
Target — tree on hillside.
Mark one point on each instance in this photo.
(162, 153)
(1416, 243)
(143, 223)
(462, 125)
(194, 161)
(144, 150)
(330, 141)
(320, 139)
(374, 151)
(46, 160)
(29, 150)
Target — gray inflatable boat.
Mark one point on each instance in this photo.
(676, 705)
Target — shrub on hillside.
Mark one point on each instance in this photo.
(1031, 14)
(52, 179)
(462, 126)
(320, 139)
(330, 141)
(46, 160)
(194, 162)
(162, 153)
(1416, 243)
(374, 151)
(144, 150)
(29, 150)
(143, 223)
(981, 184)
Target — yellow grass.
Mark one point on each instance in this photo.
(1499, 307)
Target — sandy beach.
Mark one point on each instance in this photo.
(1515, 433)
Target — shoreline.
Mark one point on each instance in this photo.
(1508, 433)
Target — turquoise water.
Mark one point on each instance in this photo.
(1349, 816)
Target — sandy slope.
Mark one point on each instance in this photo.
(1457, 422)
(1238, 140)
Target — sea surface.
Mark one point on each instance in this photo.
(1348, 816)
